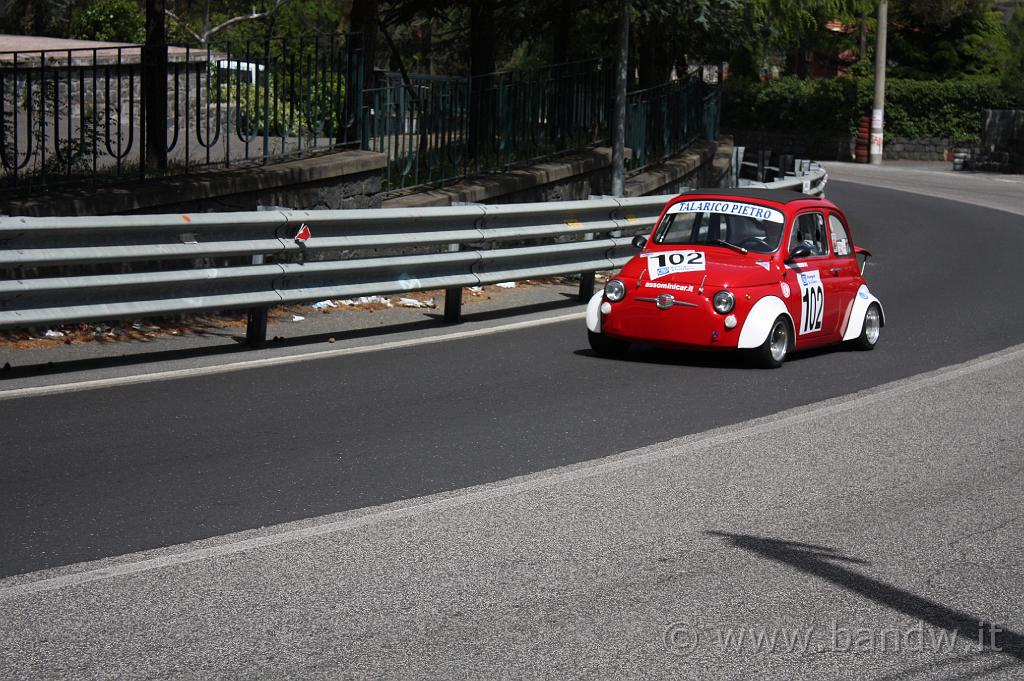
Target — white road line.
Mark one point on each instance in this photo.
(343, 522)
(277, 361)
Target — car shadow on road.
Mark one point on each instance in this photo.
(832, 566)
(710, 359)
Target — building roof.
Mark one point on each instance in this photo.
(30, 49)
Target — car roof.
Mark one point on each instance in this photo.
(783, 196)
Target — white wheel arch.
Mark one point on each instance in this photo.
(594, 312)
(861, 303)
(759, 321)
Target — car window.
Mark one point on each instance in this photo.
(809, 229)
(760, 236)
(840, 239)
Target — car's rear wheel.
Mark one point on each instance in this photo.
(605, 346)
(772, 353)
(870, 330)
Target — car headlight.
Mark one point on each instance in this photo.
(724, 302)
(614, 290)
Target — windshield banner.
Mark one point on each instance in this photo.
(729, 208)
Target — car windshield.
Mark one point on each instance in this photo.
(722, 223)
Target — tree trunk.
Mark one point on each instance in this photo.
(364, 20)
(482, 38)
(560, 32)
(154, 87)
(483, 98)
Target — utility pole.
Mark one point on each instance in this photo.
(878, 112)
(619, 119)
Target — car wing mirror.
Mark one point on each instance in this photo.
(865, 253)
(639, 241)
(799, 251)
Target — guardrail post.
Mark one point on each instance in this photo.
(737, 165)
(762, 164)
(256, 319)
(586, 278)
(453, 297)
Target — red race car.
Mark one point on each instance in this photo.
(764, 271)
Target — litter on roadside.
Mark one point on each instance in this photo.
(50, 333)
(412, 302)
(298, 318)
(366, 300)
(324, 304)
(506, 284)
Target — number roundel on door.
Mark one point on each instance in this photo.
(812, 302)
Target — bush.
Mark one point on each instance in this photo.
(120, 21)
(913, 108)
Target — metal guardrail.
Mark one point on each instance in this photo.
(255, 260)
(220, 261)
(811, 181)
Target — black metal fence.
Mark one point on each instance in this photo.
(663, 120)
(73, 115)
(434, 129)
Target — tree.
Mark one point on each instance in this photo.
(207, 29)
(1013, 72)
(111, 21)
(946, 39)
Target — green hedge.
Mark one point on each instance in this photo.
(913, 108)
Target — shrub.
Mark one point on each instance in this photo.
(913, 108)
(120, 21)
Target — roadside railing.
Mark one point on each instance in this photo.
(254, 260)
(801, 175)
(663, 120)
(79, 114)
(435, 129)
(62, 270)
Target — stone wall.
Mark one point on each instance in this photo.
(349, 179)
(801, 145)
(579, 176)
(922, 149)
(1002, 142)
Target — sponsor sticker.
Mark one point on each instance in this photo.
(729, 208)
(785, 290)
(812, 301)
(864, 295)
(675, 287)
(663, 263)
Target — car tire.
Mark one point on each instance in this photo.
(605, 346)
(772, 353)
(870, 330)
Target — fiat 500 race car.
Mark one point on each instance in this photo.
(765, 271)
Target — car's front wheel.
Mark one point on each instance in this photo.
(772, 353)
(605, 346)
(870, 330)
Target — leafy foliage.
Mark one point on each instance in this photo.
(946, 39)
(913, 108)
(120, 21)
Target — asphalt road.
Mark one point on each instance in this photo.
(883, 484)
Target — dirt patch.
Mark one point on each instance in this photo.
(146, 330)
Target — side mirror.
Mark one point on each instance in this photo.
(799, 251)
(639, 241)
(863, 253)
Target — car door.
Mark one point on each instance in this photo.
(843, 278)
(817, 317)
